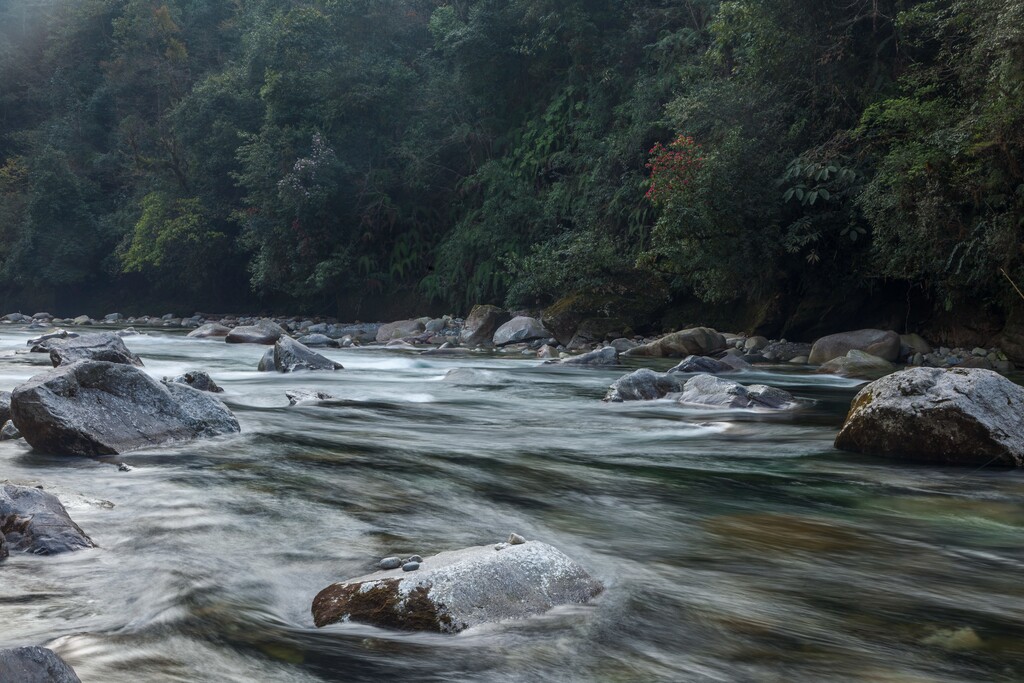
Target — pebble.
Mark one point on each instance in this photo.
(501, 546)
(516, 539)
(410, 566)
(390, 563)
(412, 558)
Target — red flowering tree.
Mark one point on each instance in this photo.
(673, 168)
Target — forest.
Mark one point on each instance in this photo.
(765, 164)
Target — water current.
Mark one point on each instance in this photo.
(735, 546)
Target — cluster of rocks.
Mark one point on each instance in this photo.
(701, 389)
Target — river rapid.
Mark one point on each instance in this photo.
(734, 546)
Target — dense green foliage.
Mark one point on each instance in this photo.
(327, 154)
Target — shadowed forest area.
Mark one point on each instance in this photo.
(771, 165)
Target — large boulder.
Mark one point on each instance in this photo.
(34, 521)
(264, 332)
(101, 408)
(290, 355)
(960, 416)
(105, 346)
(455, 590)
(35, 665)
(882, 343)
(520, 329)
(714, 392)
(643, 385)
(210, 330)
(696, 341)
(399, 329)
(857, 364)
(481, 324)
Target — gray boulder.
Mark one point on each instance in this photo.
(643, 385)
(266, 363)
(399, 329)
(882, 343)
(857, 364)
(455, 590)
(318, 340)
(34, 521)
(56, 334)
(481, 324)
(104, 346)
(197, 379)
(784, 351)
(598, 357)
(702, 364)
(520, 329)
(695, 341)
(35, 665)
(960, 416)
(715, 392)
(9, 432)
(290, 355)
(264, 332)
(209, 330)
(101, 408)
(82, 320)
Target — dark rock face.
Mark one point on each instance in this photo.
(34, 521)
(696, 341)
(101, 408)
(35, 665)
(290, 355)
(197, 379)
(606, 356)
(103, 346)
(264, 332)
(715, 392)
(882, 343)
(643, 385)
(481, 324)
(210, 330)
(455, 590)
(960, 416)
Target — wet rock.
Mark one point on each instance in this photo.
(515, 539)
(547, 352)
(413, 558)
(459, 589)
(390, 563)
(715, 392)
(297, 396)
(290, 356)
(399, 330)
(57, 334)
(318, 341)
(102, 408)
(266, 363)
(643, 385)
(695, 364)
(520, 329)
(410, 566)
(34, 521)
(481, 324)
(9, 432)
(35, 665)
(599, 357)
(960, 416)
(696, 341)
(197, 379)
(124, 467)
(210, 330)
(857, 364)
(102, 346)
(882, 343)
(264, 332)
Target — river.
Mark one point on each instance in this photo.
(735, 546)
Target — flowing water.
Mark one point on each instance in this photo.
(735, 546)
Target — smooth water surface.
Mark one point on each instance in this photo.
(735, 546)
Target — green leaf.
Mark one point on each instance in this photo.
(789, 194)
(824, 193)
(812, 196)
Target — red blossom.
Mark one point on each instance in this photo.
(673, 168)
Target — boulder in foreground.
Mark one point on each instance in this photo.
(455, 590)
(35, 665)
(101, 408)
(959, 416)
(105, 346)
(34, 521)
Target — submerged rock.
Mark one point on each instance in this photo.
(264, 332)
(960, 416)
(643, 385)
(35, 665)
(102, 408)
(290, 355)
(102, 346)
(197, 379)
(715, 392)
(882, 343)
(695, 341)
(34, 521)
(455, 590)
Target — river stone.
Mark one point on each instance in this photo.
(784, 351)
(9, 432)
(481, 324)
(290, 355)
(882, 343)
(34, 521)
(598, 357)
(715, 392)
(197, 379)
(318, 340)
(82, 320)
(692, 364)
(399, 329)
(959, 416)
(35, 665)
(696, 341)
(102, 346)
(857, 364)
(264, 332)
(101, 408)
(455, 590)
(643, 385)
(266, 363)
(520, 329)
(209, 330)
